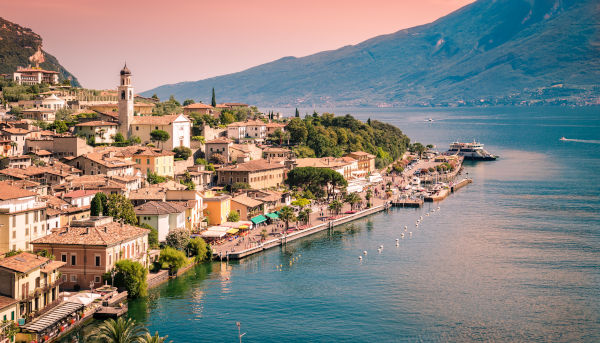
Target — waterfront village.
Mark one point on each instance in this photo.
(105, 194)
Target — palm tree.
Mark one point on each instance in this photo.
(147, 338)
(336, 206)
(352, 199)
(119, 331)
(304, 215)
(287, 215)
(368, 196)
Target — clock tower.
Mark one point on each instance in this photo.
(125, 102)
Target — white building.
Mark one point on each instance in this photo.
(80, 198)
(256, 129)
(236, 131)
(102, 131)
(163, 216)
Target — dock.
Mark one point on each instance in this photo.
(106, 312)
(408, 203)
(460, 184)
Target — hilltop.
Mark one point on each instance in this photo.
(490, 52)
(18, 43)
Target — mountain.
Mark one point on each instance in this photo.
(18, 43)
(491, 51)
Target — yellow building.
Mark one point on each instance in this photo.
(217, 207)
(157, 161)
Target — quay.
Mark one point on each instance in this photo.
(408, 203)
(113, 312)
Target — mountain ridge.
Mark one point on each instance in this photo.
(490, 52)
(18, 43)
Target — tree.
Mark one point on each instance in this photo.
(178, 239)
(120, 208)
(134, 140)
(304, 215)
(239, 186)
(297, 115)
(233, 217)
(218, 158)
(152, 235)
(119, 138)
(60, 126)
(352, 199)
(182, 152)
(159, 136)
(119, 331)
(301, 202)
(369, 121)
(155, 97)
(199, 248)
(132, 276)
(173, 258)
(287, 215)
(188, 102)
(335, 206)
(226, 118)
(154, 178)
(148, 338)
(368, 196)
(297, 130)
(96, 207)
(419, 149)
(213, 100)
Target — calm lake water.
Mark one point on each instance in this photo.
(513, 257)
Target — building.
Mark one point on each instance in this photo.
(164, 216)
(192, 201)
(198, 108)
(103, 131)
(346, 166)
(32, 280)
(258, 174)
(217, 146)
(157, 161)
(246, 207)
(80, 198)
(17, 137)
(20, 162)
(256, 129)
(272, 127)
(33, 75)
(102, 163)
(366, 161)
(277, 153)
(236, 131)
(126, 97)
(217, 207)
(60, 145)
(177, 126)
(90, 248)
(22, 218)
(39, 114)
(52, 103)
(141, 108)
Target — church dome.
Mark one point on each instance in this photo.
(125, 70)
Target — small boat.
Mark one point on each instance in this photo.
(430, 120)
(563, 138)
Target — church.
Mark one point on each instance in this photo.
(131, 124)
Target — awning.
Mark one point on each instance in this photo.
(258, 219)
(232, 231)
(52, 317)
(273, 215)
(243, 227)
(213, 234)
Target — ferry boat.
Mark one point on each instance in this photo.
(471, 151)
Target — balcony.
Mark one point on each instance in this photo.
(41, 289)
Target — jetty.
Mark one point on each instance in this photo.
(113, 312)
(409, 203)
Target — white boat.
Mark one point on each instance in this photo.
(471, 151)
(563, 138)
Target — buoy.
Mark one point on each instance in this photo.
(360, 258)
(364, 252)
(397, 244)
(405, 227)
(381, 247)
(397, 239)
(402, 236)
(410, 233)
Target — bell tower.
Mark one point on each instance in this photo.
(125, 102)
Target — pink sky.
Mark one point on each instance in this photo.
(168, 41)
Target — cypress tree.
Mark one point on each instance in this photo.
(369, 121)
(213, 102)
(96, 206)
(297, 113)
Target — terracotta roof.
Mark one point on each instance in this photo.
(219, 141)
(275, 150)
(35, 70)
(98, 123)
(246, 201)
(361, 153)
(233, 104)
(251, 166)
(158, 207)
(197, 106)
(255, 123)
(103, 235)
(323, 162)
(237, 124)
(156, 120)
(43, 153)
(275, 125)
(6, 301)
(185, 203)
(52, 265)
(109, 162)
(15, 131)
(217, 198)
(142, 151)
(79, 193)
(23, 262)
(148, 193)
(8, 192)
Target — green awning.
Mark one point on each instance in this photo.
(273, 215)
(258, 219)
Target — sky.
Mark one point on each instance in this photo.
(169, 41)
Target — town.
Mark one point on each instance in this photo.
(104, 194)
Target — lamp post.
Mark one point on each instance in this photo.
(113, 272)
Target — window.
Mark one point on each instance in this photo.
(14, 234)
(137, 128)
(26, 231)
(64, 277)
(63, 257)
(97, 261)
(97, 279)
(73, 260)
(73, 277)
(26, 218)
(147, 161)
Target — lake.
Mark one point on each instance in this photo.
(515, 256)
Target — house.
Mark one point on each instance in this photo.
(246, 207)
(346, 166)
(39, 114)
(256, 129)
(102, 131)
(60, 145)
(142, 108)
(277, 153)
(236, 131)
(149, 160)
(19, 162)
(90, 248)
(177, 126)
(198, 108)
(31, 76)
(217, 146)
(6, 147)
(164, 216)
(32, 280)
(272, 200)
(366, 161)
(102, 163)
(217, 207)
(244, 152)
(258, 174)
(8, 312)
(80, 198)
(17, 136)
(191, 200)
(201, 177)
(272, 127)
(50, 174)
(22, 218)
